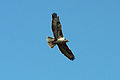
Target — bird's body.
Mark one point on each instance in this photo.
(58, 39)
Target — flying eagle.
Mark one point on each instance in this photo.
(59, 39)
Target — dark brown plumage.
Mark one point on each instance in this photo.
(59, 40)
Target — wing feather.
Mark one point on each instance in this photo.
(56, 26)
(66, 51)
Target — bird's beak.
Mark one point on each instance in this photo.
(67, 41)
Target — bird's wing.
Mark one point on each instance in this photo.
(65, 50)
(56, 27)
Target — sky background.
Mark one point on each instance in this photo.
(91, 26)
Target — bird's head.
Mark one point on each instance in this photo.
(66, 40)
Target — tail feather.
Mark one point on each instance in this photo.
(50, 42)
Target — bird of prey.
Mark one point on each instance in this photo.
(59, 39)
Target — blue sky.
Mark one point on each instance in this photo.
(91, 26)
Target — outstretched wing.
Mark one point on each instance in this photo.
(56, 26)
(66, 51)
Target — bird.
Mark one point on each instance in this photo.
(59, 39)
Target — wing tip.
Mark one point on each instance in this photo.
(72, 58)
(54, 15)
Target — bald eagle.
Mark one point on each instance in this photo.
(59, 39)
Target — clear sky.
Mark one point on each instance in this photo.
(91, 26)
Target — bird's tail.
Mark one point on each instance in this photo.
(50, 42)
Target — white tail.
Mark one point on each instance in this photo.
(50, 42)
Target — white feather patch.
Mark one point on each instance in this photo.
(61, 39)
